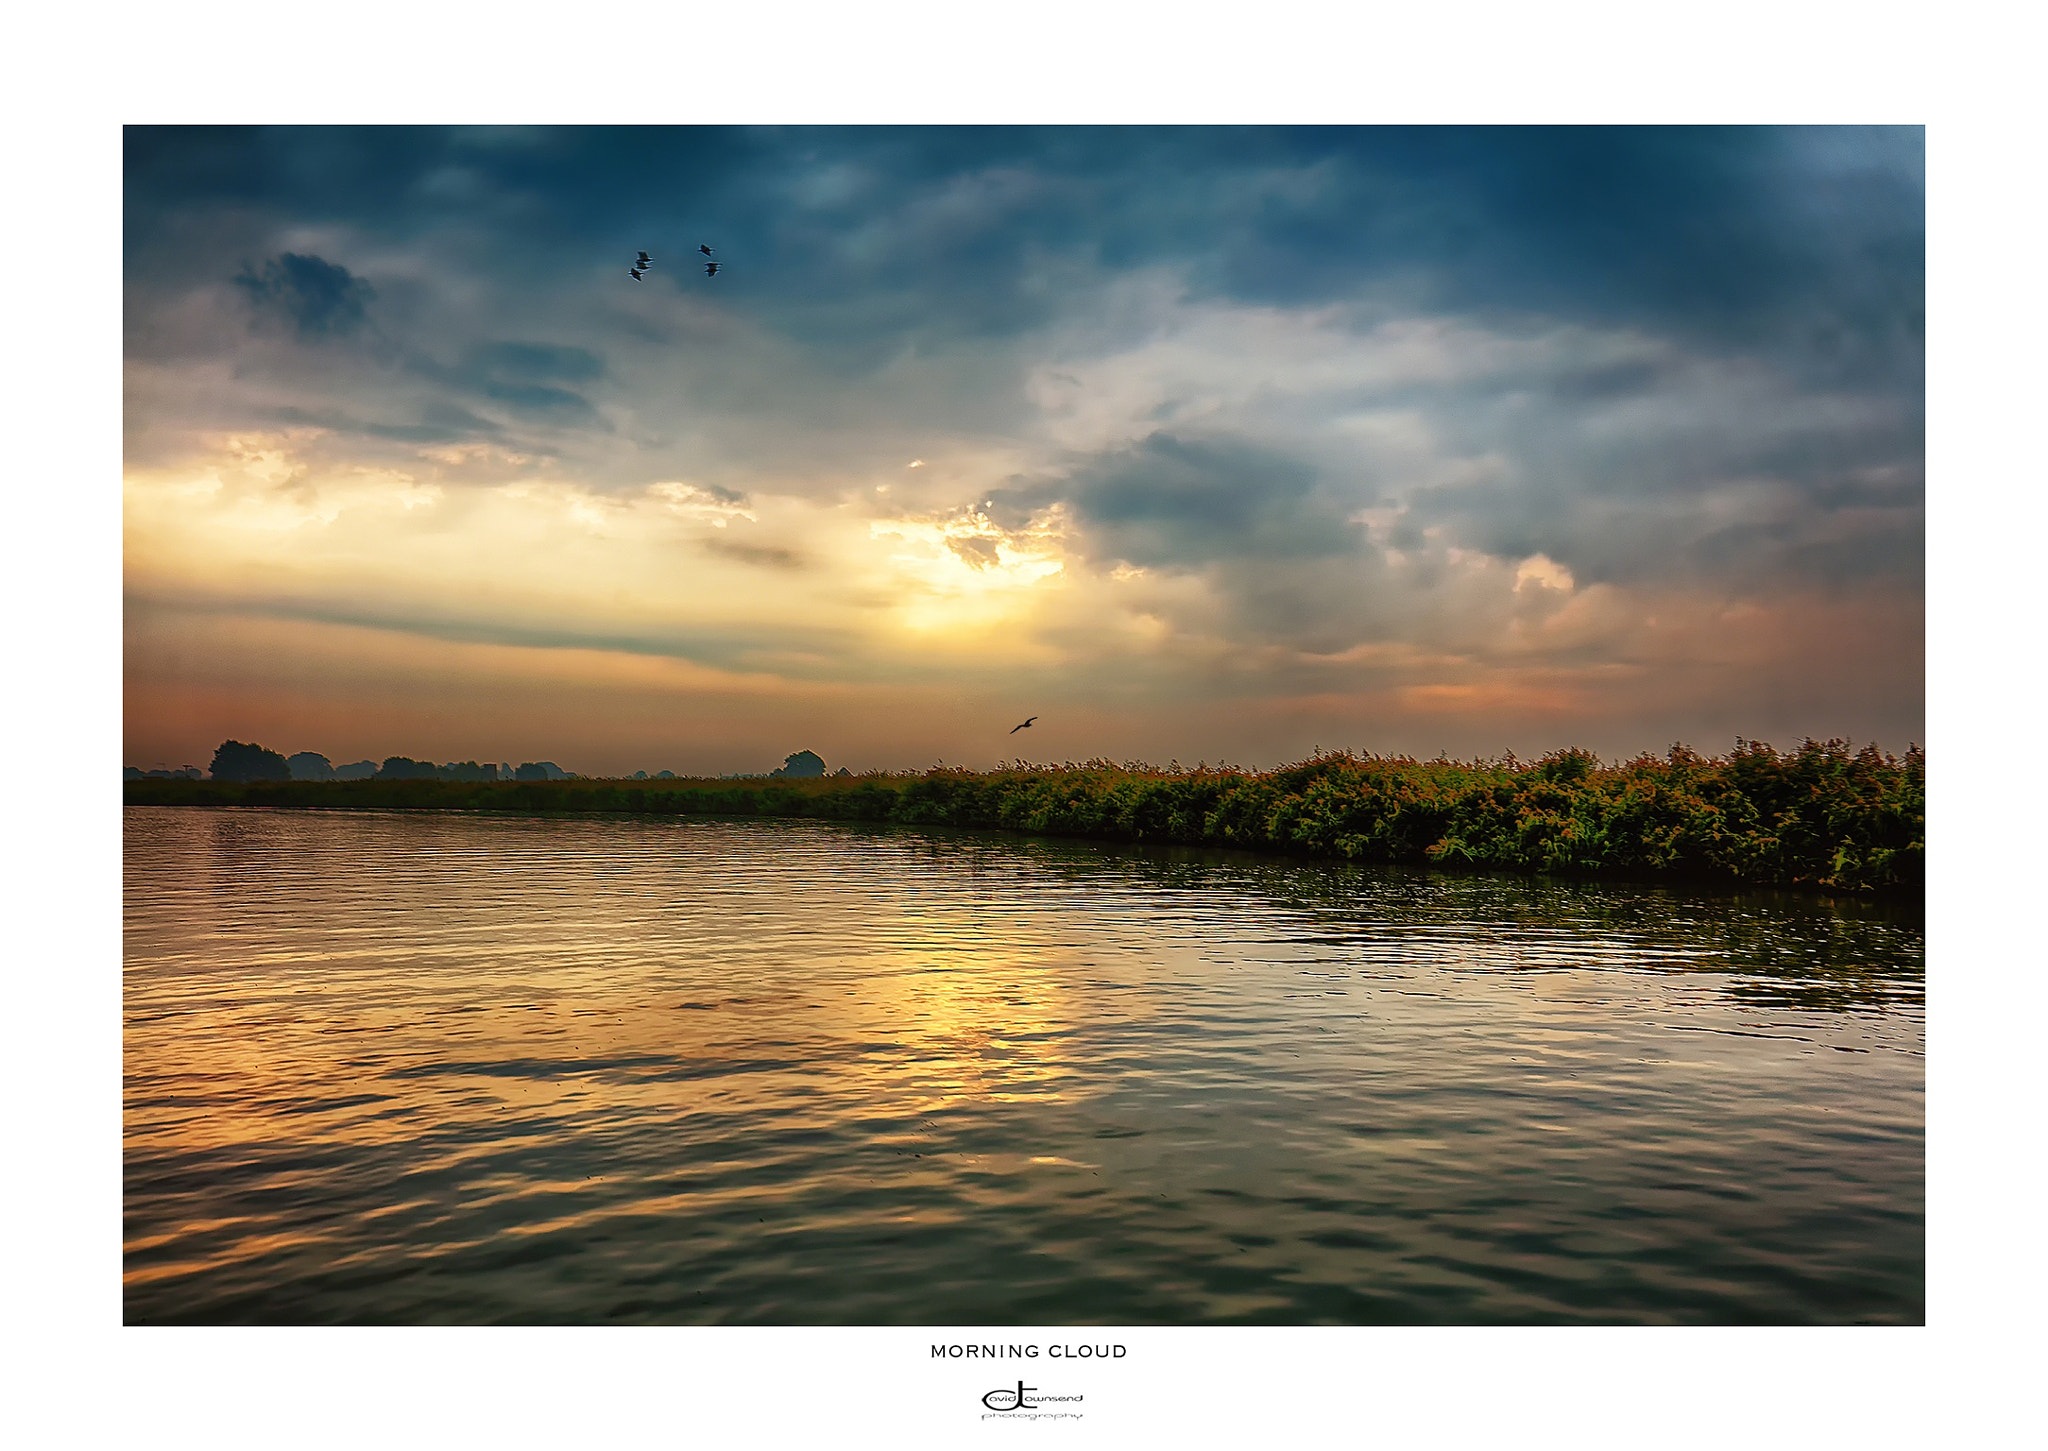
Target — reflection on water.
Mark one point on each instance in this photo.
(437, 1068)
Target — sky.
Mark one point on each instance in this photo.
(1220, 444)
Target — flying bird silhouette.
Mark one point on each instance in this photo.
(704, 249)
(1015, 728)
(711, 268)
(634, 273)
(645, 260)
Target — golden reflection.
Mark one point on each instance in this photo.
(910, 1031)
(981, 1032)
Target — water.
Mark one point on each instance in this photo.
(410, 1068)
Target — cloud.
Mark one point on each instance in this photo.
(534, 363)
(523, 377)
(766, 555)
(317, 297)
(977, 551)
(1177, 502)
(707, 502)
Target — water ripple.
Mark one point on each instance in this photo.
(406, 1068)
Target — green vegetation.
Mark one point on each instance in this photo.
(1822, 816)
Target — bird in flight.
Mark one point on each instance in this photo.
(711, 268)
(1015, 728)
(645, 260)
(634, 273)
(701, 247)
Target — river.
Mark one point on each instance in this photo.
(438, 1068)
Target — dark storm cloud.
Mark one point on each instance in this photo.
(1803, 242)
(1772, 275)
(319, 298)
(1810, 238)
(1808, 242)
(1685, 474)
(1177, 502)
(1736, 233)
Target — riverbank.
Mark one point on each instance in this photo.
(1822, 816)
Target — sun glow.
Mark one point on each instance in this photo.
(964, 574)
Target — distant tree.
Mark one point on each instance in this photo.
(238, 761)
(639, 775)
(802, 763)
(311, 766)
(664, 775)
(405, 768)
(466, 771)
(356, 771)
(131, 773)
(540, 771)
(842, 771)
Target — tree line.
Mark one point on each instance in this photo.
(1825, 815)
(244, 761)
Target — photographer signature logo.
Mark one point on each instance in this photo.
(1025, 1403)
